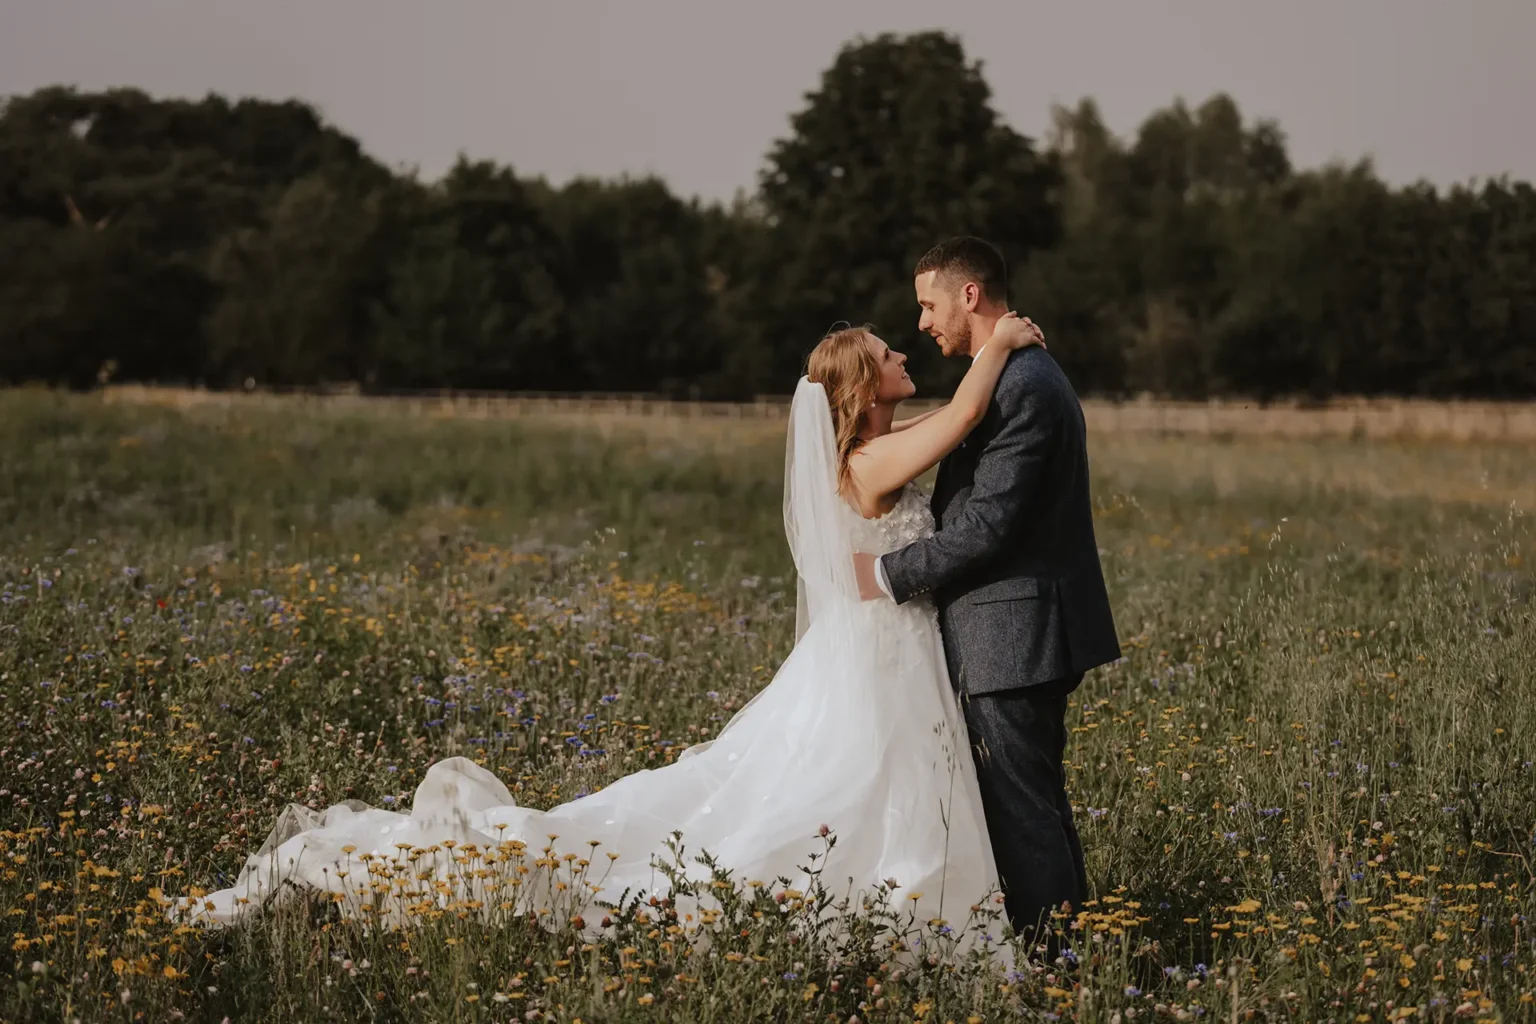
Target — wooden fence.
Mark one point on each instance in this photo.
(1366, 418)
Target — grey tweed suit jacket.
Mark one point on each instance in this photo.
(1014, 566)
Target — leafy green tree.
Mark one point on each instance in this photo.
(159, 182)
(634, 271)
(217, 240)
(470, 299)
(897, 149)
(295, 293)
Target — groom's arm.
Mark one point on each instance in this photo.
(1007, 476)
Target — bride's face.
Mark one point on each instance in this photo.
(895, 385)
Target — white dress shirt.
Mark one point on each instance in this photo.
(880, 580)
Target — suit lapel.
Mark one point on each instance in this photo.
(960, 460)
(940, 496)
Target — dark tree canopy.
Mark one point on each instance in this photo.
(217, 242)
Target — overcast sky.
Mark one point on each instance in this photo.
(695, 90)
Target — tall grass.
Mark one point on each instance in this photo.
(1306, 792)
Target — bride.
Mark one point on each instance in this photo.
(858, 733)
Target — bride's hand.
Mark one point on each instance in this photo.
(1014, 331)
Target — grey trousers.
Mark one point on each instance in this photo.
(1018, 738)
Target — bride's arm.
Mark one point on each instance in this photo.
(893, 460)
(912, 421)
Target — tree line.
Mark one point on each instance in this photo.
(219, 242)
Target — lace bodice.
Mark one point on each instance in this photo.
(908, 521)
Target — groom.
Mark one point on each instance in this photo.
(1015, 572)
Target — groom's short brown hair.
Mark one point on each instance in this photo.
(968, 258)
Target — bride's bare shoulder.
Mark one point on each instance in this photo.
(865, 504)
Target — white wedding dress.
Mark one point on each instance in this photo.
(859, 731)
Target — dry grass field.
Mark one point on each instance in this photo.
(1306, 792)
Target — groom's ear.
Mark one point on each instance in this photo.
(970, 296)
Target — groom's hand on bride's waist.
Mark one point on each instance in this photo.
(864, 572)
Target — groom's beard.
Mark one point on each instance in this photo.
(956, 338)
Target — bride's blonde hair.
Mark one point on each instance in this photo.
(844, 366)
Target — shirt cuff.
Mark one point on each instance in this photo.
(880, 580)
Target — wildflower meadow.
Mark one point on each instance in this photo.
(1306, 792)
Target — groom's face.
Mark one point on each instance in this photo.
(945, 314)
